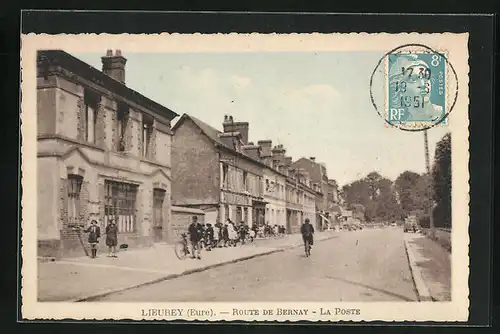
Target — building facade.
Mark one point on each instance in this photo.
(215, 171)
(299, 197)
(327, 199)
(274, 184)
(223, 174)
(103, 152)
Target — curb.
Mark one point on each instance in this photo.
(423, 293)
(99, 295)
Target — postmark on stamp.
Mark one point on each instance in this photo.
(418, 94)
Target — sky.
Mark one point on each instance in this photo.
(315, 104)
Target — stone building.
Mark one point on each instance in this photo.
(274, 183)
(300, 200)
(327, 191)
(294, 188)
(217, 171)
(103, 153)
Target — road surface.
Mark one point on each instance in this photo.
(366, 265)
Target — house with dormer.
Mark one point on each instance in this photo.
(103, 153)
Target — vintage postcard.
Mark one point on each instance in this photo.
(255, 177)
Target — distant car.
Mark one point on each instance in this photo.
(410, 226)
(394, 224)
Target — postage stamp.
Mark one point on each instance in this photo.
(417, 87)
(147, 197)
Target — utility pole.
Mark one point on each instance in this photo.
(429, 185)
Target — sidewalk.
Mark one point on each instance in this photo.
(83, 278)
(431, 267)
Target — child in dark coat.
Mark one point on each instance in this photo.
(94, 234)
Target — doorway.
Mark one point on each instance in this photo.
(158, 199)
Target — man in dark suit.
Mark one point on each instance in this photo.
(94, 234)
(195, 234)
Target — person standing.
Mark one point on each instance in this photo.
(94, 234)
(111, 238)
(242, 230)
(195, 234)
(225, 233)
(216, 235)
(209, 234)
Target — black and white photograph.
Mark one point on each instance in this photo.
(245, 177)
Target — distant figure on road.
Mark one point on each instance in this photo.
(195, 234)
(111, 238)
(94, 232)
(307, 231)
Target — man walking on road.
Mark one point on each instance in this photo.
(307, 231)
(195, 234)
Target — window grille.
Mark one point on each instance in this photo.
(74, 189)
(120, 205)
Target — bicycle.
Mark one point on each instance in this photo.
(181, 248)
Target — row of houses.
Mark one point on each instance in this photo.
(105, 151)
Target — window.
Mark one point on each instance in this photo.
(90, 116)
(225, 170)
(238, 215)
(267, 185)
(147, 131)
(245, 181)
(245, 215)
(120, 204)
(121, 126)
(226, 212)
(74, 189)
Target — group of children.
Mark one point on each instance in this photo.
(230, 234)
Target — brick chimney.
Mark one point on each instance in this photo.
(230, 125)
(266, 154)
(288, 161)
(231, 140)
(279, 153)
(114, 65)
(266, 146)
(253, 151)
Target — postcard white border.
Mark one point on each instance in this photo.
(455, 44)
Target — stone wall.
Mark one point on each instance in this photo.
(195, 167)
(181, 218)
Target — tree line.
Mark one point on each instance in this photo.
(375, 198)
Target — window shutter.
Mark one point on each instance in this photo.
(81, 118)
(152, 143)
(114, 129)
(100, 127)
(129, 128)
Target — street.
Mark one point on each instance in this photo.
(366, 265)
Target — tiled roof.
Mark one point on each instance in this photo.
(209, 131)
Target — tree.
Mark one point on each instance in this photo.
(441, 182)
(413, 192)
(376, 195)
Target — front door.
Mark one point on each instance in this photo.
(158, 199)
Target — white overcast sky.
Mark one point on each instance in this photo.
(315, 104)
